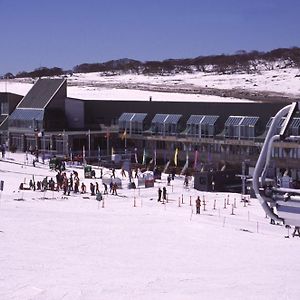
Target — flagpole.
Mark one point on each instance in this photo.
(125, 142)
(107, 142)
(89, 140)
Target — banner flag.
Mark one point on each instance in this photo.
(176, 157)
(186, 165)
(144, 157)
(196, 159)
(166, 166)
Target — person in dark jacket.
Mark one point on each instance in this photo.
(159, 194)
(164, 193)
(198, 205)
(105, 189)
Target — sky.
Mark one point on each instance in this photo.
(38, 33)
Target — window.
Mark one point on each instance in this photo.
(4, 108)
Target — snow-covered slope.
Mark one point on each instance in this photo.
(197, 86)
(54, 247)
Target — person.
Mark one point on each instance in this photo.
(164, 193)
(97, 187)
(105, 189)
(99, 196)
(76, 185)
(186, 181)
(3, 151)
(101, 173)
(159, 195)
(71, 182)
(83, 188)
(45, 184)
(173, 174)
(58, 180)
(114, 189)
(198, 205)
(130, 175)
(169, 179)
(65, 185)
(123, 173)
(113, 173)
(31, 184)
(51, 184)
(38, 185)
(92, 188)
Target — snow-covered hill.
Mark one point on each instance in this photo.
(197, 86)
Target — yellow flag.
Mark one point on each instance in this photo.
(124, 135)
(175, 157)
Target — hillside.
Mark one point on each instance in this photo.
(254, 76)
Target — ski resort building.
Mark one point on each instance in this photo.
(207, 134)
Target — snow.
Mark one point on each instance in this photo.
(73, 248)
(99, 86)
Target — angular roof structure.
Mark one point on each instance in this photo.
(41, 93)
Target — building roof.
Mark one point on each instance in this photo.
(209, 120)
(27, 114)
(166, 118)
(295, 123)
(41, 93)
(195, 119)
(126, 117)
(271, 120)
(132, 117)
(249, 121)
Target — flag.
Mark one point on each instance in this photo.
(186, 165)
(83, 155)
(176, 157)
(124, 135)
(166, 166)
(155, 157)
(196, 159)
(112, 151)
(144, 157)
(136, 158)
(99, 153)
